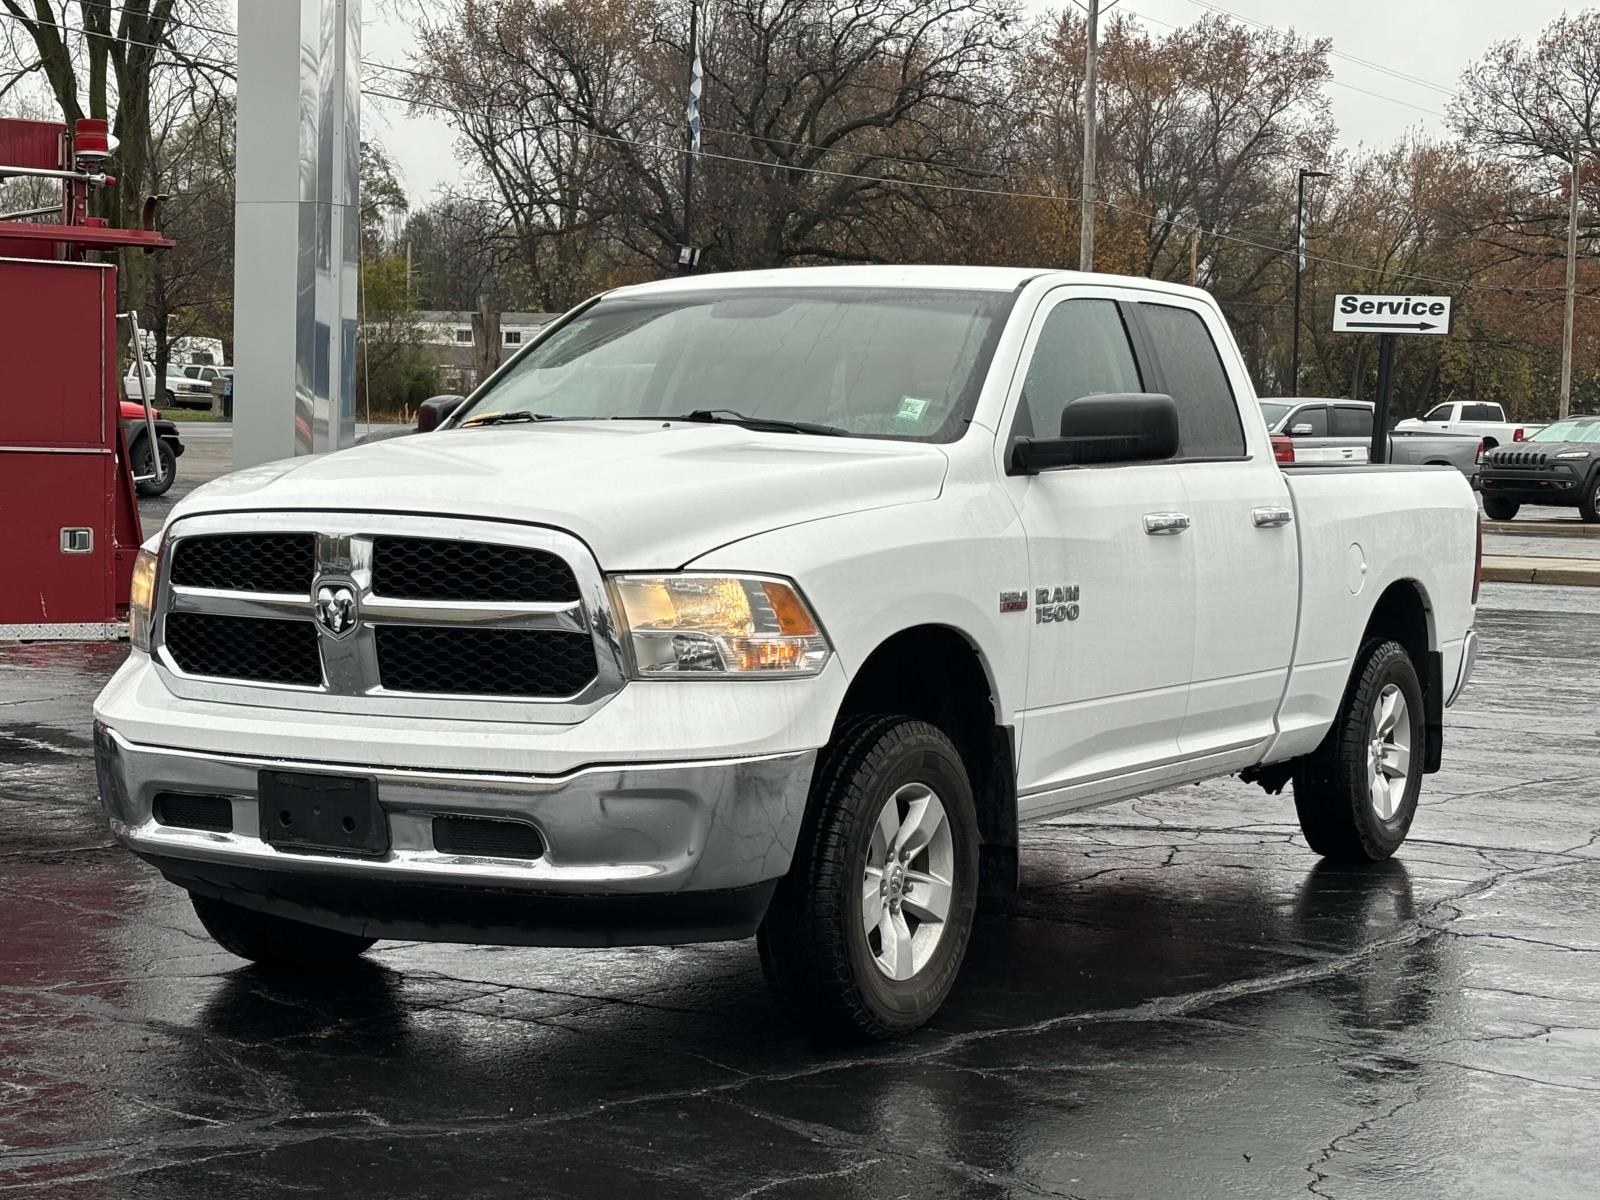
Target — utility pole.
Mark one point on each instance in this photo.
(1572, 288)
(1091, 123)
(691, 141)
(1299, 270)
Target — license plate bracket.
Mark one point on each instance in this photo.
(307, 813)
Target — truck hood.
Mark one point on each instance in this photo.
(644, 495)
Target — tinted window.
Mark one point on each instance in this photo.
(1208, 418)
(1480, 412)
(1316, 417)
(1082, 351)
(1442, 413)
(1349, 421)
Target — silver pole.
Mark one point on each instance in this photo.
(1572, 291)
(1091, 73)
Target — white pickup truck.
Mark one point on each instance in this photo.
(773, 604)
(1486, 421)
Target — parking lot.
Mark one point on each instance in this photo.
(1181, 1001)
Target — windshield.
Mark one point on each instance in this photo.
(902, 363)
(1569, 431)
(1274, 412)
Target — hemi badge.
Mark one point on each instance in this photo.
(1013, 602)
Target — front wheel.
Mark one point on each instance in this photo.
(143, 466)
(1356, 793)
(1589, 506)
(275, 942)
(1500, 509)
(867, 932)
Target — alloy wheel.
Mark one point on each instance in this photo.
(1389, 753)
(907, 885)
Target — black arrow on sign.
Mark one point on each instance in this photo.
(1420, 325)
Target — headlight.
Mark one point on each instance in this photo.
(719, 626)
(142, 596)
(1573, 454)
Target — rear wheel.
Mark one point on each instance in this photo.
(275, 942)
(1499, 509)
(867, 932)
(1356, 793)
(1589, 506)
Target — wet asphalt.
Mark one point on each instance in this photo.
(1182, 1002)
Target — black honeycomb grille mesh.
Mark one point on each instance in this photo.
(260, 650)
(483, 837)
(246, 562)
(432, 569)
(537, 663)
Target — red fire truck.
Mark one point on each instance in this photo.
(69, 523)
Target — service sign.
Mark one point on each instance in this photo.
(1391, 314)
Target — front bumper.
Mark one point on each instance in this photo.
(697, 834)
(1555, 484)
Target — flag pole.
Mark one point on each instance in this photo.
(686, 251)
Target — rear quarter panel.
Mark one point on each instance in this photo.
(1362, 530)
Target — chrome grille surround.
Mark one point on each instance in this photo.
(351, 679)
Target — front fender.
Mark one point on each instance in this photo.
(870, 575)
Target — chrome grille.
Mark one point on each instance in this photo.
(270, 562)
(404, 616)
(432, 569)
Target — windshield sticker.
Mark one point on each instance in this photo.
(911, 409)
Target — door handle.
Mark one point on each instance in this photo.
(1271, 518)
(1165, 524)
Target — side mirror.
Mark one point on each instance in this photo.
(435, 412)
(1300, 430)
(1128, 427)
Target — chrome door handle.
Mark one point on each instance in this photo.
(1165, 524)
(1271, 518)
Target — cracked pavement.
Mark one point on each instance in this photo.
(1182, 1001)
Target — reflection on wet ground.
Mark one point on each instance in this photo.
(1182, 1002)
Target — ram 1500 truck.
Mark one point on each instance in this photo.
(772, 604)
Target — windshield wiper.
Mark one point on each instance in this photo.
(727, 416)
(511, 418)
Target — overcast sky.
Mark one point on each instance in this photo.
(1426, 40)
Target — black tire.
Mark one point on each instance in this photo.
(142, 466)
(1498, 509)
(815, 952)
(1589, 503)
(276, 942)
(1333, 792)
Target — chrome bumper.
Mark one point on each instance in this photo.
(649, 829)
(1469, 659)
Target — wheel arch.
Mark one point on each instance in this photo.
(1404, 613)
(936, 673)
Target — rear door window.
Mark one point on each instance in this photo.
(1480, 412)
(1350, 420)
(1193, 375)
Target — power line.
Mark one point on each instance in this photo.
(1393, 72)
(767, 164)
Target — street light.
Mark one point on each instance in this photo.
(1299, 270)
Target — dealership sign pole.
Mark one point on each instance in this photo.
(1389, 316)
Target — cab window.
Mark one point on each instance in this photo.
(1441, 413)
(1350, 420)
(1193, 375)
(1480, 412)
(1312, 415)
(1082, 351)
